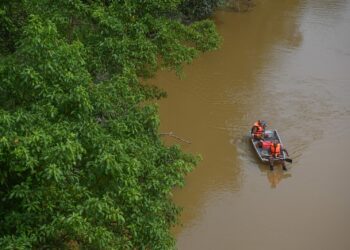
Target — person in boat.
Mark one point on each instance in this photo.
(265, 145)
(276, 152)
(258, 130)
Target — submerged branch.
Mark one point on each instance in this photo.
(172, 135)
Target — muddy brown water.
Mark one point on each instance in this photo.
(287, 62)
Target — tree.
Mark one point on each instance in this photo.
(194, 10)
(82, 164)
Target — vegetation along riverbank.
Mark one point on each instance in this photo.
(82, 163)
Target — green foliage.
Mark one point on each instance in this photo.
(194, 10)
(82, 164)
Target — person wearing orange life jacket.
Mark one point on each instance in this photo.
(258, 129)
(276, 151)
(265, 145)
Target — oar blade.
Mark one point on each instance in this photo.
(288, 160)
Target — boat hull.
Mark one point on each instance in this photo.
(263, 154)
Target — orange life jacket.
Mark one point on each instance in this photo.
(275, 150)
(266, 144)
(259, 130)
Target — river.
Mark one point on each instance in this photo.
(286, 62)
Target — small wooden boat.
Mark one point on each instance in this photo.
(263, 154)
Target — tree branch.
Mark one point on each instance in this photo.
(172, 135)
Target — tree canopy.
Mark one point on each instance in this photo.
(82, 164)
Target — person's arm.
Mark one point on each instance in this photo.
(254, 128)
(285, 150)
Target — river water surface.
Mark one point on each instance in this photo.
(286, 62)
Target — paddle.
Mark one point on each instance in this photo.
(288, 160)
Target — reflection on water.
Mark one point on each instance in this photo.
(276, 176)
(286, 62)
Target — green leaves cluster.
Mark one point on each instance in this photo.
(82, 164)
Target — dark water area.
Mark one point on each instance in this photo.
(287, 62)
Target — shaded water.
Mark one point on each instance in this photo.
(287, 62)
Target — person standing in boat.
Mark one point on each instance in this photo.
(276, 152)
(258, 129)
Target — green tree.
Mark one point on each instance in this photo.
(194, 10)
(82, 164)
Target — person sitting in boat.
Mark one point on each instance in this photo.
(258, 129)
(276, 152)
(265, 145)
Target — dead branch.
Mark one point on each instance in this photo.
(176, 137)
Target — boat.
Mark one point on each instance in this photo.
(263, 154)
